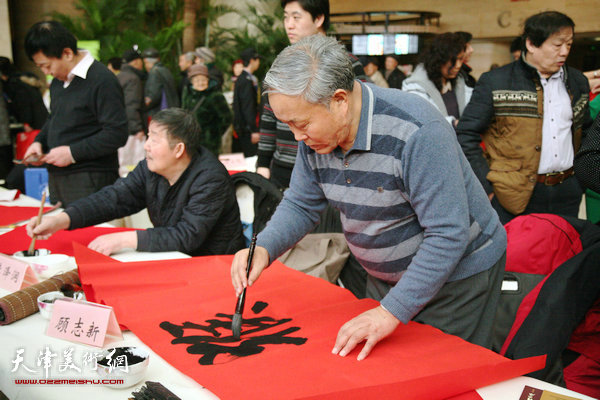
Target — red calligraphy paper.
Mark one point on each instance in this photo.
(11, 214)
(59, 243)
(182, 309)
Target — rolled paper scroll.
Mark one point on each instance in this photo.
(23, 303)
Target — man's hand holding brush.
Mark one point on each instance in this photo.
(48, 225)
(238, 268)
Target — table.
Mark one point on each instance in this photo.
(28, 334)
(512, 389)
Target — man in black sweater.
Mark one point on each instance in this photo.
(87, 122)
(188, 192)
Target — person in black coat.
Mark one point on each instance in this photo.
(245, 106)
(160, 90)
(465, 69)
(188, 192)
(25, 102)
(392, 74)
(587, 160)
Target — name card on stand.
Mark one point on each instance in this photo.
(233, 162)
(15, 274)
(9, 195)
(84, 322)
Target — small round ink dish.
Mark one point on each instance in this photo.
(126, 364)
(36, 253)
(45, 264)
(46, 302)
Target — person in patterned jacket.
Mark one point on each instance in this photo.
(530, 114)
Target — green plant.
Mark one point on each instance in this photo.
(120, 24)
(260, 28)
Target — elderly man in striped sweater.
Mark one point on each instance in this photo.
(412, 210)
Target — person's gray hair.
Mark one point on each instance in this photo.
(314, 68)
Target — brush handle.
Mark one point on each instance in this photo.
(239, 307)
(39, 220)
(242, 297)
(250, 255)
(31, 251)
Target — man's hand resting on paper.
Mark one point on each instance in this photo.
(113, 242)
(48, 225)
(370, 326)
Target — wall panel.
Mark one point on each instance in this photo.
(25, 13)
(485, 18)
(5, 43)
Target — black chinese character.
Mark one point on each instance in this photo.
(92, 331)
(215, 338)
(62, 324)
(77, 329)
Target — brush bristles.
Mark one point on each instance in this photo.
(236, 325)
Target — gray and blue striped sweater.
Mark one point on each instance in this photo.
(413, 212)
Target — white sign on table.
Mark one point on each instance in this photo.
(233, 162)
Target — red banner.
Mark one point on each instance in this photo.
(183, 309)
(59, 243)
(12, 214)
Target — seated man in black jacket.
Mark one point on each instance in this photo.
(188, 192)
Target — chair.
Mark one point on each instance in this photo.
(550, 291)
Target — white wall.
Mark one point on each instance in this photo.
(5, 37)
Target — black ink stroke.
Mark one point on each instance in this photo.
(215, 337)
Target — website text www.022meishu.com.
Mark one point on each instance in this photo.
(68, 381)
